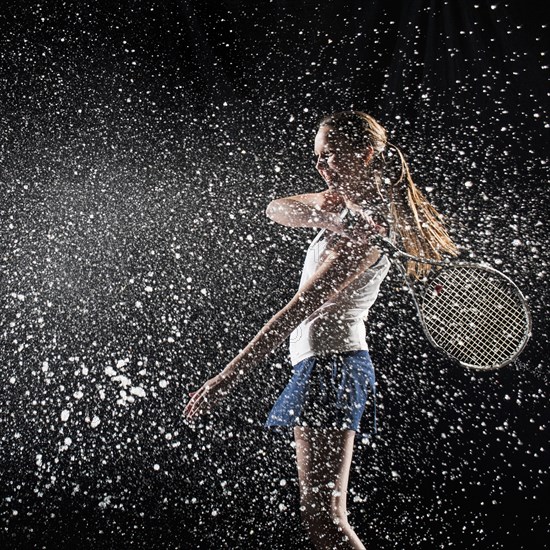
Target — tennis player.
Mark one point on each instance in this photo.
(331, 395)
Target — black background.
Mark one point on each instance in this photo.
(140, 144)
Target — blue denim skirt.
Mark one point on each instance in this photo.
(330, 391)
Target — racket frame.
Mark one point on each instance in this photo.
(396, 256)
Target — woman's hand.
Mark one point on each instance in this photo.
(359, 226)
(209, 394)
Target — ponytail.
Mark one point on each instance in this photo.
(417, 223)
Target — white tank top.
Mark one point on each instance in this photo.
(339, 324)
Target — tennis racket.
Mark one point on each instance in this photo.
(474, 314)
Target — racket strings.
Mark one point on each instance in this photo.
(490, 308)
(475, 317)
(469, 328)
(481, 346)
(474, 346)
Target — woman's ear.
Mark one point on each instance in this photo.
(368, 154)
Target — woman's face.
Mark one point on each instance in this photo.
(343, 167)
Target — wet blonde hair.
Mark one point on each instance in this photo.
(418, 225)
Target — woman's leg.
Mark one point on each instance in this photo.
(324, 461)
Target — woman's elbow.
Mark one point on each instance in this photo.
(276, 211)
(270, 210)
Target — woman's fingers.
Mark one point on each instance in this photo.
(194, 403)
(199, 403)
(207, 395)
(366, 229)
(193, 408)
(362, 232)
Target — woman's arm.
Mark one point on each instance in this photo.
(309, 210)
(348, 260)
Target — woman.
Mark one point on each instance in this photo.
(333, 375)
